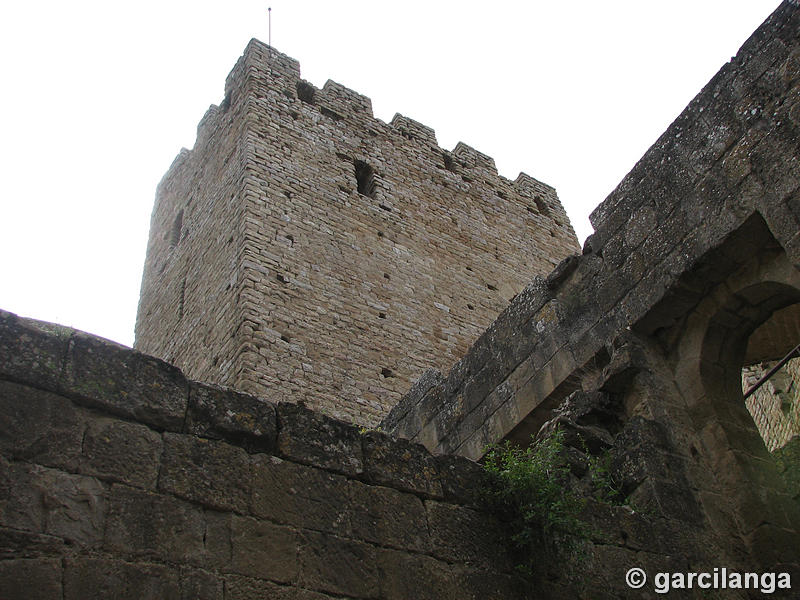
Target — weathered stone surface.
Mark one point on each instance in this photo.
(217, 539)
(121, 451)
(246, 588)
(20, 504)
(314, 439)
(30, 578)
(103, 578)
(387, 517)
(212, 473)
(147, 524)
(301, 495)
(111, 377)
(197, 584)
(39, 426)
(641, 452)
(261, 549)
(22, 544)
(461, 479)
(32, 352)
(400, 464)
(41, 500)
(667, 499)
(74, 505)
(237, 418)
(487, 585)
(410, 401)
(338, 566)
(417, 576)
(466, 536)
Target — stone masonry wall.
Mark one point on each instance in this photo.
(355, 253)
(122, 479)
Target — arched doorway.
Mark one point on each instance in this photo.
(736, 323)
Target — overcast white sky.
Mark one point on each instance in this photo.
(98, 97)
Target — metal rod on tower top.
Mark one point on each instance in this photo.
(269, 13)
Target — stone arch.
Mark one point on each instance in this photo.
(707, 361)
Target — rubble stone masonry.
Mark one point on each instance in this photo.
(307, 251)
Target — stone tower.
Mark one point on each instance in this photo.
(305, 250)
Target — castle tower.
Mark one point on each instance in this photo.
(306, 251)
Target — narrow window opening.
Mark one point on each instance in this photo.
(177, 226)
(540, 204)
(306, 92)
(365, 179)
(330, 114)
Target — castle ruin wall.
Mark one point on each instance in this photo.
(122, 479)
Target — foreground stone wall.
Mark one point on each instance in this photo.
(326, 256)
(122, 479)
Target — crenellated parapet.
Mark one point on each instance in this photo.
(414, 130)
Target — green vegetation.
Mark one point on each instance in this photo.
(528, 489)
(606, 489)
